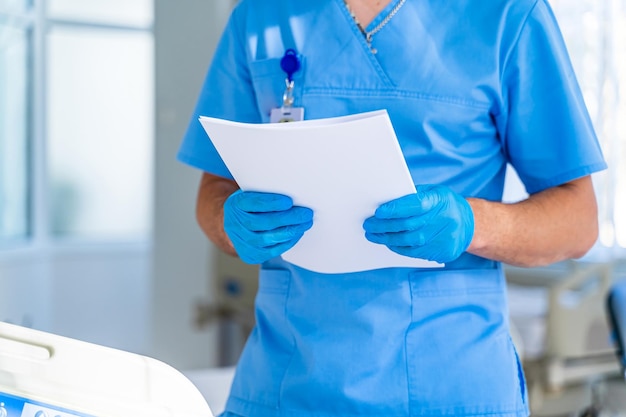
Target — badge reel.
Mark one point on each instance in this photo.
(287, 113)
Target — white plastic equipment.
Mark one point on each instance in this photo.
(44, 375)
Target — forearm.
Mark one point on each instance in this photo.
(212, 193)
(553, 225)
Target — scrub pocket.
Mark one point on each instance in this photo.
(460, 358)
(270, 346)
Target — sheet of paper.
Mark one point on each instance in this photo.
(342, 168)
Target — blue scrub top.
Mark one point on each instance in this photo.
(469, 86)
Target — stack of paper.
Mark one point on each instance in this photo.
(342, 168)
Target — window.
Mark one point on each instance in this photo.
(76, 120)
(595, 32)
(14, 6)
(99, 131)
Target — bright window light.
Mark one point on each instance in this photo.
(595, 33)
(119, 12)
(100, 132)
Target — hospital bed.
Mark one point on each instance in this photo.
(42, 374)
(559, 325)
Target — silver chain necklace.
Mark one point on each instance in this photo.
(371, 33)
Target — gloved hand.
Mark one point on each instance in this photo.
(434, 224)
(262, 226)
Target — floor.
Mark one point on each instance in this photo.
(213, 384)
(610, 399)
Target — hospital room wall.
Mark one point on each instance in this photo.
(185, 36)
(137, 296)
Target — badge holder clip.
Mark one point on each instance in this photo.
(287, 113)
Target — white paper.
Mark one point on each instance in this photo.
(342, 168)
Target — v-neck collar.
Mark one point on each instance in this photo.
(377, 19)
(372, 58)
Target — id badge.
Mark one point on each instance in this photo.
(287, 114)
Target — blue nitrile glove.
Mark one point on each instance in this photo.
(262, 226)
(434, 224)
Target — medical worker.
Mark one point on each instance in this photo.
(470, 86)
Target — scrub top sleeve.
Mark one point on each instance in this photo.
(227, 93)
(544, 124)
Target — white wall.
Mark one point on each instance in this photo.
(185, 36)
(101, 295)
(96, 293)
(25, 288)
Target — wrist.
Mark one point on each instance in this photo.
(479, 242)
